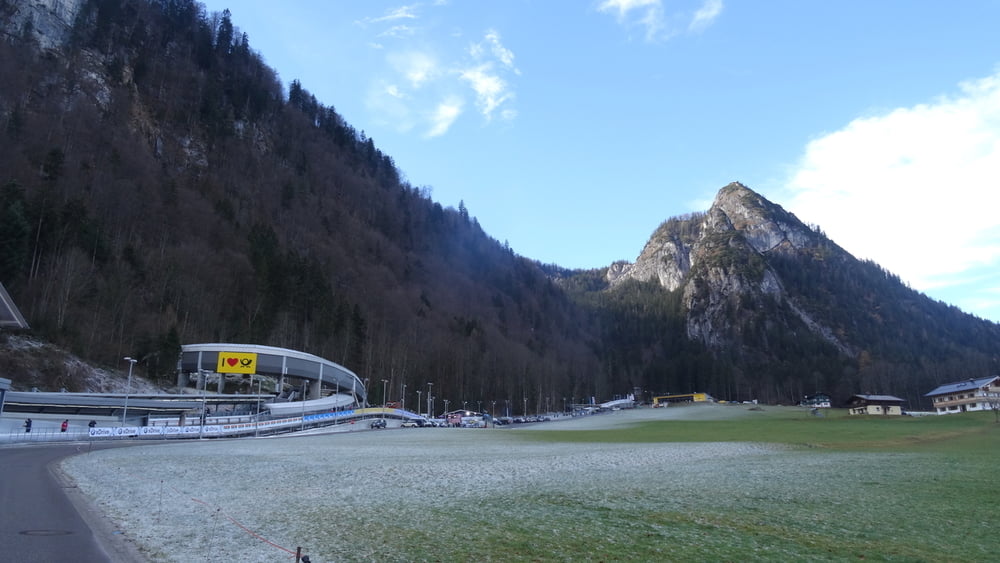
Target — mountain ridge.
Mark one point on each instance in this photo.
(678, 246)
(160, 186)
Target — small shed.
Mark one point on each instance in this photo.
(875, 404)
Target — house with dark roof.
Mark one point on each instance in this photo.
(875, 404)
(964, 396)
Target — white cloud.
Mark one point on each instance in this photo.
(415, 66)
(394, 91)
(502, 54)
(389, 106)
(705, 15)
(651, 16)
(915, 189)
(393, 15)
(400, 13)
(419, 72)
(623, 7)
(490, 89)
(647, 13)
(443, 116)
(398, 32)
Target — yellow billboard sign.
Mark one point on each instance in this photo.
(237, 362)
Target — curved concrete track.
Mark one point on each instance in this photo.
(44, 519)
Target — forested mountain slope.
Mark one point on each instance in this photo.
(159, 186)
(747, 301)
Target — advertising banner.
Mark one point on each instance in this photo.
(237, 362)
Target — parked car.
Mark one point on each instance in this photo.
(409, 424)
(378, 423)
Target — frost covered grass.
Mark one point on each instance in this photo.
(513, 495)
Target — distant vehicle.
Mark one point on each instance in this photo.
(379, 423)
(409, 424)
(473, 422)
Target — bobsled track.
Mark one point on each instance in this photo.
(215, 427)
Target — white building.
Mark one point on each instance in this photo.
(971, 395)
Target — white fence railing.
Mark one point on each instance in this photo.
(218, 428)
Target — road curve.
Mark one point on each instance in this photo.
(44, 517)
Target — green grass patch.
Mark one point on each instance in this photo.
(900, 489)
(791, 426)
(849, 488)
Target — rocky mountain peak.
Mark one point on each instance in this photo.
(719, 260)
(765, 225)
(667, 256)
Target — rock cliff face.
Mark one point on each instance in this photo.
(763, 224)
(48, 22)
(719, 260)
(666, 258)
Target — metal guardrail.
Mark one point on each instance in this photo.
(194, 432)
(215, 427)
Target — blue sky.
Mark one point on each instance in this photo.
(572, 129)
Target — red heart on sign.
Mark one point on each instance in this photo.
(231, 361)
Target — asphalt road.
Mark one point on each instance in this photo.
(44, 519)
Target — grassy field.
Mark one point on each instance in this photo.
(794, 426)
(709, 483)
(875, 488)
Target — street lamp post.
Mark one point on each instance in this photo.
(429, 399)
(446, 401)
(201, 428)
(128, 387)
(384, 402)
(419, 392)
(402, 398)
(256, 426)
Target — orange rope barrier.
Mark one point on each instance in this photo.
(238, 523)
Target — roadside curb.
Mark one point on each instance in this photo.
(115, 544)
